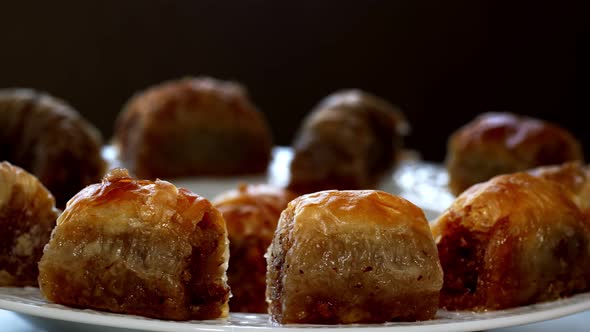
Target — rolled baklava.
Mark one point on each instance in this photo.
(514, 240)
(51, 140)
(349, 141)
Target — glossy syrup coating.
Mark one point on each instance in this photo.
(251, 213)
(138, 247)
(573, 176)
(191, 127)
(503, 143)
(514, 240)
(27, 217)
(348, 141)
(49, 139)
(352, 257)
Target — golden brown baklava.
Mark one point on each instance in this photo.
(348, 141)
(513, 240)
(251, 213)
(27, 217)
(192, 127)
(49, 139)
(138, 247)
(504, 143)
(342, 257)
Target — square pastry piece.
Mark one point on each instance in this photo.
(138, 247)
(352, 257)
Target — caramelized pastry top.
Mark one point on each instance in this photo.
(153, 201)
(362, 207)
(516, 195)
(573, 176)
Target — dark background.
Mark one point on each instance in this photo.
(442, 62)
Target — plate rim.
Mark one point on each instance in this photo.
(533, 313)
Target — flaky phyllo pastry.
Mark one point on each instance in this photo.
(352, 257)
(138, 247)
(573, 177)
(514, 240)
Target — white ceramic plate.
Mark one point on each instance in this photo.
(424, 184)
(29, 301)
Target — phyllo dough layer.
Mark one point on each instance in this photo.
(138, 247)
(352, 257)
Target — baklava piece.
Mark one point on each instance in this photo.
(49, 139)
(27, 217)
(514, 240)
(342, 257)
(193, 127)
(138, 247)
(251, 213)
(348, 141)
(504, 143)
